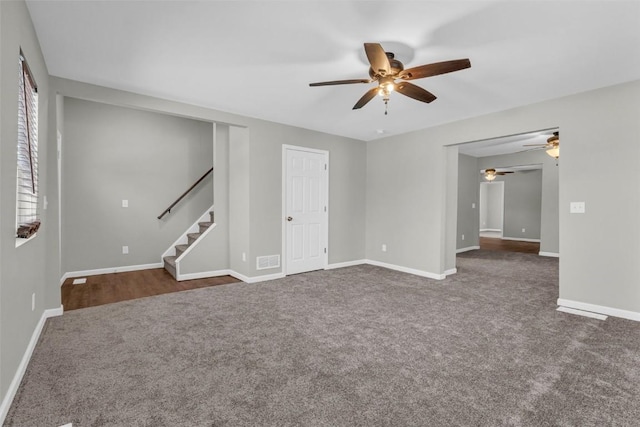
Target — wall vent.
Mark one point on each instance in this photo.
(267, 261)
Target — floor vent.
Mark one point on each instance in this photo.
(268, 261)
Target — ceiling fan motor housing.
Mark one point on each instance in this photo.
(395, 67)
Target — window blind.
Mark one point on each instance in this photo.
(27, 178)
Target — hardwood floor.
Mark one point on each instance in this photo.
(493, 244)
(110, 288)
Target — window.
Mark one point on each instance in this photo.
(27, 220)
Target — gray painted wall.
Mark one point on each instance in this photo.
(23, 270)
(468, 202)
(406, 189)
(113, 153)
(239, 200)
(522, 204)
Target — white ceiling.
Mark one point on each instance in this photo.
(256, 58)
(506, 144)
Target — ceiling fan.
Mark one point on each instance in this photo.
(385, 70)
(490, 174)
(552, 146)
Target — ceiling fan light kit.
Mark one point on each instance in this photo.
(490, 174)
(552, 147)
(385, 70)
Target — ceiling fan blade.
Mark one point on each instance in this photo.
(435, 69)
(368, 96)
(502, 173)
(415, 92)
(536, 145)
(377, 58)
(340, 82)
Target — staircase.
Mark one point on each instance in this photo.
(181, 248)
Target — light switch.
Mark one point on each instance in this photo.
(577, 207)
(473, 205)
(125, 203)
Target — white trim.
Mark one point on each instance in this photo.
(582, 313)
(109, 270)
(450, 271)
(551, 254)
(491, 229)
(345, 264)
(191, 246)
(20, 241)
(285, 147)
(204, 275)
(610, 311)
(22, 367)
(518, 239)
(467, 249)
(256, 279)
(407, 270)
(183, 239)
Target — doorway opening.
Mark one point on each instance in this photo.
(515, 206)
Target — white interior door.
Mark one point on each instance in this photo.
(305, 209)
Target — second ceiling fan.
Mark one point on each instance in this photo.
(391, 75)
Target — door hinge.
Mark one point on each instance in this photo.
(325, 166)
(325, 250)
(325, 208)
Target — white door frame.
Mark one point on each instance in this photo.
(283, 257)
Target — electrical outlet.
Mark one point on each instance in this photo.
(577, 207)
(384, 248)
(125, 203)
(473, 205)
(463, 237)
(125, 250)
(523, 230)
(33, 301)
(244, 256)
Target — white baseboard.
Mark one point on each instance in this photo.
(467, 249)
(407, 270)
(521, 239)
(550, 254)
(345, 264)
(256, 279)
(582, 313)
(109, 270)
(239, 276)
(600, 309)
(450, 271)
(22, 367)
(204, 275)
(490, 229)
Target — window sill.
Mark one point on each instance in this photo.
(20, 241)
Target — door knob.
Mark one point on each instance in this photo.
(289, 218)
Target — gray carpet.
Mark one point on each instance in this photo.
(358, 346)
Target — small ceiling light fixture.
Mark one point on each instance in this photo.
(490, 174)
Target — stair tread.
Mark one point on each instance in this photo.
(193, 235)
(206, 223)
(171, 260)
(182, 247)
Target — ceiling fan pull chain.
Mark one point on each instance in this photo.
(386, 106)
